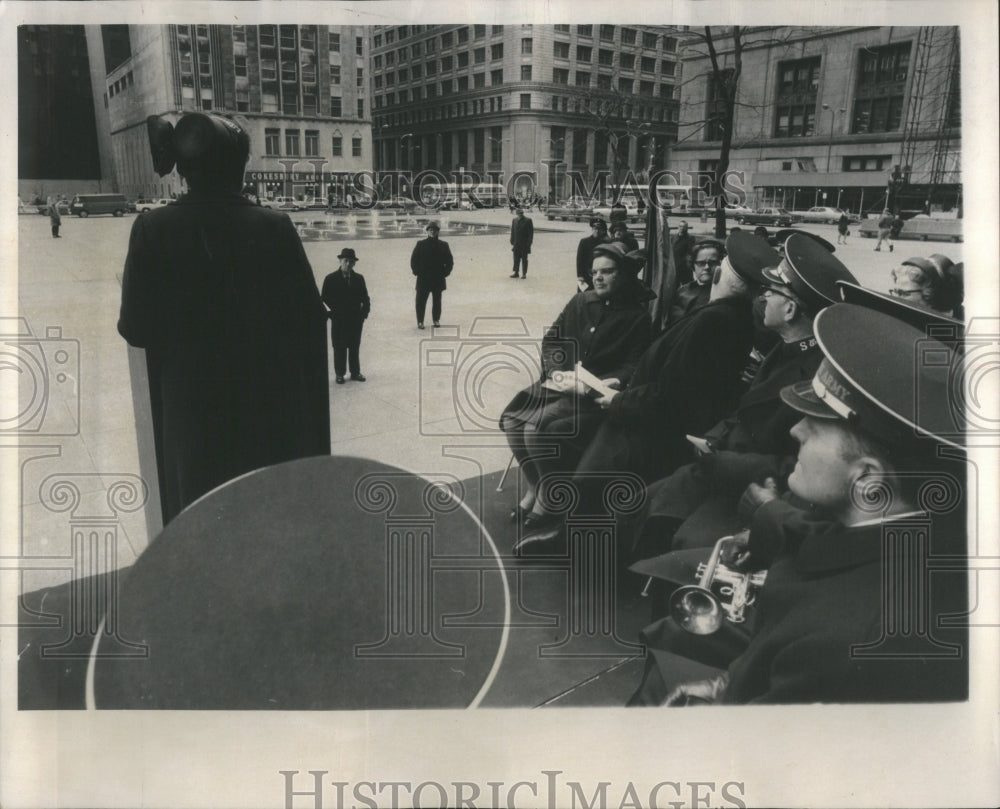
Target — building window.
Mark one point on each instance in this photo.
(496, 77)
(334, 43)
(446, 40)
(337, 146)
(307, 37)
(715, 106)
(404, 75)
(866, 163)
(579, 147)
(525, 72)
(312, 143)
(272, 142)
(463, 83)
(667, 67)
(670, 44)
(267, 34)
(288, 36)
(242, 100)
(648, 64)
(430, 45)
(377, 40)
(290, 102)
(463, 35)
(561, 29)
(626, 61)
(648, 40)
(795, 102)
(335, 75)
(359, 79)
(625, 86)
(289, 71)
(417, 71)
(292, 142)
(646, 88)
(390, 58)
(603, 81)
(310, 104)
(479, 31)
(496, 51)
(583, 53)
(526, 45)
(478, 80)
(878, 94)
(525, 101)
(361, 108)
(560, 50)
(557, 142)
(269, 103)
(479, 56)
(446, 63)
(560, 75)
(463, 59)
(359, 46)
(417, 49)
(432, 68)
(605, 57)
(240, 66)
(239, 33)
(355, 147)
(607, 33)
(336, 103)
(498, 29)
(308, 68)
(628, 36)
(585, 30)
(582, 78)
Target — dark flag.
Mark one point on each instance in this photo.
(661, 272)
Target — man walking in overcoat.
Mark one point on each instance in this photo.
(346, 295)
(522, 233)
(431, 263)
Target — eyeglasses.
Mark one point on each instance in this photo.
(713, 263)
(904, 293)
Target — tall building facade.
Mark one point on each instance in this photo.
(857, 118)
(302, 89)
(57, 133)
(523, 98)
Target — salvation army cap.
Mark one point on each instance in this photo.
(927, 321)
(885, 378)
(810, 272)
(748, 255)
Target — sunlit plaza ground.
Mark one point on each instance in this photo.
(429, 405)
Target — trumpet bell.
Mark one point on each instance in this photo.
(696, 610)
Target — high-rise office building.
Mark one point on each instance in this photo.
(302, 89)
(857, 118)
(508, 98)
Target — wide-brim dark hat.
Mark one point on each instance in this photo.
(810, 272)
(433, 225)
(883, 377)
(748, 255)
(596, 221)
(927, 321)
(783, 235)
(347, 252)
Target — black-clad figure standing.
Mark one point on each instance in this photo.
(346, 295)
(431, 263)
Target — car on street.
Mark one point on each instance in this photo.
(734, 211)
(824, 214)
(285, 204)
(62, 206)
(142, 205)
(768, 216)
(574, 210)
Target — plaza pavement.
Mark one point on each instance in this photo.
(80, 459)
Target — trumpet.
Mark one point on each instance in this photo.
(696, 608)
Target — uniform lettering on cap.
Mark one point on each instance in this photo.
(833, 393)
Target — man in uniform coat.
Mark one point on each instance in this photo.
(686, 381)
(878, 431)
(431, 262)
(585, 252)
(221, 295)
(752, 443)
(522, 233)
(345, 294)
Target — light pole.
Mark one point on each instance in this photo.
(829, 146)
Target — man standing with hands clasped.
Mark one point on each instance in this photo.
(346, 295)
(431, 262)
(522, 232)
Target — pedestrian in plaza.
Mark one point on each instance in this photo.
(346, 295)
(221, 295)
(585, 253)
(522, 233)
(682, 242)
(895, 228)
(843, 230)
(431, 262)
(55, 220)
(884, 225)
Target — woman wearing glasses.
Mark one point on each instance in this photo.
(934, 283)
(705, 258)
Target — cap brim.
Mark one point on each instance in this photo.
(772, 277)
(802, 398)
(919, 318)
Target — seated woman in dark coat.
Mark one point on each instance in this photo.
(704, 257)
(605, 329)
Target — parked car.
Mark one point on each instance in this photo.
(63, 207)
(143, 205)
(313, 203)
(84, 205)
(286, 204)
(570, 210)
(735, 211)
(768, 216)
(824, 213)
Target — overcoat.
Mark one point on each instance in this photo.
(431, 262)
(221, 295)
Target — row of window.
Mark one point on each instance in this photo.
(125, 81)
(878, 95)
(293, 144)
(606, 33)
